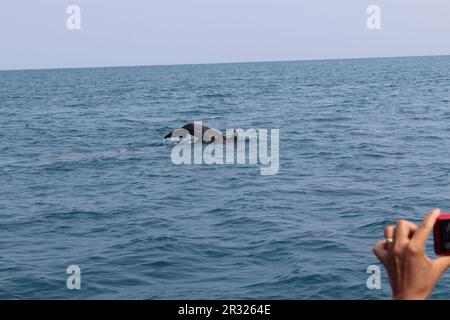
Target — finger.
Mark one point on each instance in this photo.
(380, 252)
(388, 235)
(425, 228)
(403, 232)
(443, 264)
(389, 232)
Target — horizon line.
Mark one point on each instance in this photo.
(225, 63)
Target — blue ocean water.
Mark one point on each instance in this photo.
(86, 178)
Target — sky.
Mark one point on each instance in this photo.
(34, 35)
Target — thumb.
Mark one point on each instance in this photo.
(443, 263)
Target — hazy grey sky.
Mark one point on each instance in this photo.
(33, 33)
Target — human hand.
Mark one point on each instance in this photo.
(412, 274)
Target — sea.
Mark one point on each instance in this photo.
(87, 180)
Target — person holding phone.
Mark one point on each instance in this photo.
(412, 275)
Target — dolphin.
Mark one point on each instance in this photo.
(200, 131)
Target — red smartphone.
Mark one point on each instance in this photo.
(442, 235)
